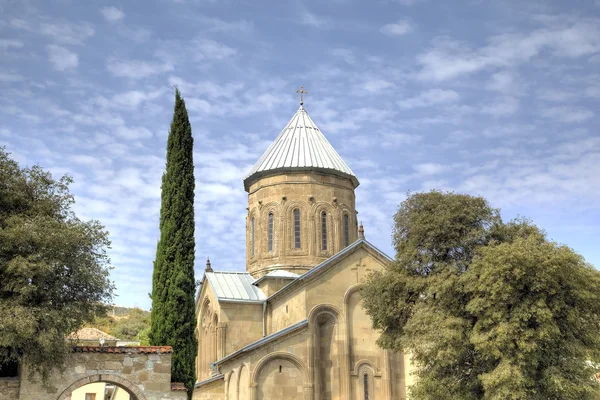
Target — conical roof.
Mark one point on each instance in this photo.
(301, 146)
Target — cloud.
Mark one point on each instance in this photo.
(448, 58)
(133, 132)
(429, 168)
(112, 14)
(308, 18)
(345, 54)
(6, 44)
(567, 114)
(10, 77)
(67, 33)
(399, 28)
(136, 69)
(62, 58)
(408, 3)
(376, 85)
(197, 49)
(429, 98)
(501, 107)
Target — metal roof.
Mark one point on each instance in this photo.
(234, 286)
(300, 146)
(277, 274)
(264, 340)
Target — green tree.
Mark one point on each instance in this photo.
(54, 268)
(173, 284)
(443, 300)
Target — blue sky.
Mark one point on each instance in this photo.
(493, 98)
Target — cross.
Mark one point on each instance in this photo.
(357, 268)
(302, 92)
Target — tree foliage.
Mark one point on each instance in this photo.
(173, 284)
(54, 268)
(487, 309)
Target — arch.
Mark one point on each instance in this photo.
(321, 308)
(361, 364)
(325, 351)
(243, 388)
(129, 386)
(286, 231)
(281, 356)
(231, 384)
(331, 234)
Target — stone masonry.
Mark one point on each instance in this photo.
(145, 372)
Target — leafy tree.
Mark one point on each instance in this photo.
(483, 306)
(173, 285)
(54, 267)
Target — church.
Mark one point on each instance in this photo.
(292, 326)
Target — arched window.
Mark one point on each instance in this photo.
(297, 228)
(270, 232)
(323, 230)
(252, 234)
(366, 386)
(346, 230)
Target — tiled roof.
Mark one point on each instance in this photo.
(234, 286)
(90, 334)
(177, 386)
(124, 349)
(300, 146)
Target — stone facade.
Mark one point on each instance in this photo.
(305, 335)
(144, 372)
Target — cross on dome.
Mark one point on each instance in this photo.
(302, 92)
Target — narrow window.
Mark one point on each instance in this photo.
(324, 230)
(252, 237)
(297, 228)
(346, 230)
(270, 231)
(366, 385)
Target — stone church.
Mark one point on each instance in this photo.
(292, 326)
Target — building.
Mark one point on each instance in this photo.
(292, 325)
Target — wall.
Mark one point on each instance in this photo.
(9, 388)
(210, 391)
(311, 193)
(143, 371)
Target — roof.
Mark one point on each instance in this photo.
(277, 274)
(300, 146)
(209, 380)
(328, 262)
(124, 349)
(235, 287)
(177, 386)
(90, 334)
(265, 340)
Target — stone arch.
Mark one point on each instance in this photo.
(295, 378)
(243, 388)
(287, 228)
(130, 387)
(325, 351)
(352, 226)
(253, 214)
(231, 384)
(316, 211)
(273, 208)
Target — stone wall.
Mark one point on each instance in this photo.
(312, 193)
(9, 388)
(145, 372)
(211, 391)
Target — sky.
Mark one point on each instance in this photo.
(492, 98)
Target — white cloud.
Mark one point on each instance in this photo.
(62, 58)
(501, 107)
(308, 18)
(198, 49)
(67, 33)
(376, 85)
(10, 77)
(429, 168)
(399, 28)
(448, 58)
(567, 114)
(133, 132)
(429, 98)
(112, 14)
(136, 69)
(345, 54)
(6, 44)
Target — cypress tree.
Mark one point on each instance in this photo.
(173, 283)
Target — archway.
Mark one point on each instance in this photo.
(134, 392)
